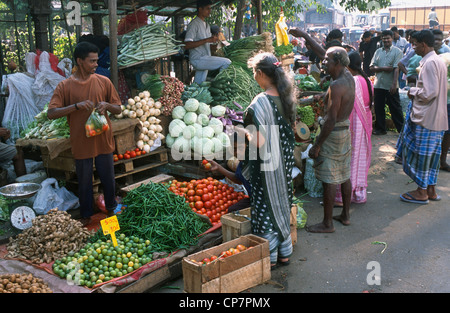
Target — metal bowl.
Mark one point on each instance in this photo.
(20, 190)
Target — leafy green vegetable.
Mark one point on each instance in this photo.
(306, 114)
(283, 49)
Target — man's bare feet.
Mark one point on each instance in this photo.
(320, 228)
(343, 220)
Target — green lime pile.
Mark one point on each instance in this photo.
(100, 261)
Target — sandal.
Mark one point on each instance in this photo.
(411, 199)
(285, 263)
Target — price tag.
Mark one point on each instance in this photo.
(110, 225)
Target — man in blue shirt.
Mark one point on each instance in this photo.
(439, 46)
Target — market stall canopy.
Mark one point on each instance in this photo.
(158, 7)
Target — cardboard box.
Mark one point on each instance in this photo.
(232, 274)
(236, 224)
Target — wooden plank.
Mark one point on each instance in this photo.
(161, 178)
(234, 226)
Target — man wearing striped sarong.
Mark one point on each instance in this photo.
(422, 135)
(331, 151)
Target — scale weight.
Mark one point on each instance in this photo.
(20, 213)
(21, 216)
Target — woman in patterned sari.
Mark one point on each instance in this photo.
(361, 130)
(269, 129)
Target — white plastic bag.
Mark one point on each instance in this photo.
(20, 108)
(52, 196)
(45, 82)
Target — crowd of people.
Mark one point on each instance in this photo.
(342, 150)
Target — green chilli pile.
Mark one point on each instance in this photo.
(156, 214)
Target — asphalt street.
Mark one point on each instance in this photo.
(389, 247)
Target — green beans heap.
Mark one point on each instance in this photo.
(155, 213)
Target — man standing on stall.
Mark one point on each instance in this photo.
(198, 41)
(76, 97)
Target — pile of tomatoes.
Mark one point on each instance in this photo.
(129, 154)
(207, 196)
(226, 253)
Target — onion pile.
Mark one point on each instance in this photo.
(146, 110)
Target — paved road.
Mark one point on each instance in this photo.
(417, 255)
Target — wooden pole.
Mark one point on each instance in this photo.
(112, 8)
(259, 16)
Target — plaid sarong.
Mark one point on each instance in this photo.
(420, 151)
(333, 164)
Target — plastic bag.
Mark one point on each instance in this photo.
(52, 196)
(301, 216)
(96, 124)
(20, 108)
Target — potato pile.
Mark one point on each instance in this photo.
(51, 237)
(22, 283)
(146, 110)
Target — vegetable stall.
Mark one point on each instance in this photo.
(176, 210)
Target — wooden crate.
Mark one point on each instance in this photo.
(235, 225)
(161, 178)
(293, 224)
(235, 273)
(126, 169)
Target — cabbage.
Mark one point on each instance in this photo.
(207, 132)
(181, 144)
(203, 108)
(198, 129)
(191, 105)
(204, 146)
(217, 145)
(190, 118)
(224, 139)
(203, 119)
(169, 141)
(194, 141)
(189, 132)
(218, 110)
(178, 112)
(216, 124)
(176, 128)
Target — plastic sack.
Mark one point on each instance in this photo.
(312, 184)
(96, 124)
(46, 79)
(20, 108)
(51, 196)
(301, 216)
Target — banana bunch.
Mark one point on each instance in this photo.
(281, 31)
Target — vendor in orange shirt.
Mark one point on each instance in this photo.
(76, 97)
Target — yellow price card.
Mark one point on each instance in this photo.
(110, 225)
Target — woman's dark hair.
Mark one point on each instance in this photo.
(269, 65)
(83, 49)
(355, 64)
